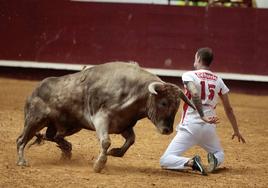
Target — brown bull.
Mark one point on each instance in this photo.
(108, 98)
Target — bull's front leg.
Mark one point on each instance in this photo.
(101, 126)
(129, 135)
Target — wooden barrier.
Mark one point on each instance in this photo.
(156, 36)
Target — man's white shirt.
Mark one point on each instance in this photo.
(209, 87)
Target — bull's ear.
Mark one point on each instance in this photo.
(153, 87)
(185, 99)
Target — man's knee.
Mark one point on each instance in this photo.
(163, 161)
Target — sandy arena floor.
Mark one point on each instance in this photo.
(246, 165)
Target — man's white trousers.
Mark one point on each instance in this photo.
(188, 136)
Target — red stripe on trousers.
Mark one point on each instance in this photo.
(185, 105)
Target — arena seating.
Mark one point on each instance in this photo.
(226, 3)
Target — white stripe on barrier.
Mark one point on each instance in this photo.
(159, 72)
(159, 2)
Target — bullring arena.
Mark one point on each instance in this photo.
(44, 38)
(245, 164)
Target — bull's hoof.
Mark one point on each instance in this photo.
(116, 152)
(99, 164)
(98, 167)
(66, 156)
(22, 162)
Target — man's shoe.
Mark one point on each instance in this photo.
(197, 165)
(212, 162)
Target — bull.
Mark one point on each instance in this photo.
(108, 98)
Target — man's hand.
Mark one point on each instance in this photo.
(239, 136)
(211, 120)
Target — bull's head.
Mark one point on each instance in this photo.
(163, 104)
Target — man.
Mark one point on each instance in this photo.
(197, 127)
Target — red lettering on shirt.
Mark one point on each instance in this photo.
(206, 75)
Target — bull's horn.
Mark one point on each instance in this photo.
(152, 86)
(185, 98)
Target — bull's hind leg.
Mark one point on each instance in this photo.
(64, 145)
(129, 135)
(35, 119)
(20, 150)
(66, 148)
(28, 133)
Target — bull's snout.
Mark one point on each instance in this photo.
(166, 131)
(165, 127)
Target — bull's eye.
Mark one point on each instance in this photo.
(163, 103)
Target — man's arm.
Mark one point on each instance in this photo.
(197, 102)
(230, 114)
(196, 98)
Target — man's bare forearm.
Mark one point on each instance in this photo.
(230, 114)
(198, 104)
(196, 98)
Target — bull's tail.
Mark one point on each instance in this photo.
(39, 140)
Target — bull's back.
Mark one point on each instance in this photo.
(118, 81)
(120, 74)
(112, 80)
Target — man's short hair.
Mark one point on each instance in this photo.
(206, 55)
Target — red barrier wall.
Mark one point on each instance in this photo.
(154, 35)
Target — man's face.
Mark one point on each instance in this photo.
(196, 61)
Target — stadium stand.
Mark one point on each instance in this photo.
(213, 3)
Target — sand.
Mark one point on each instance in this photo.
(245, 165)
